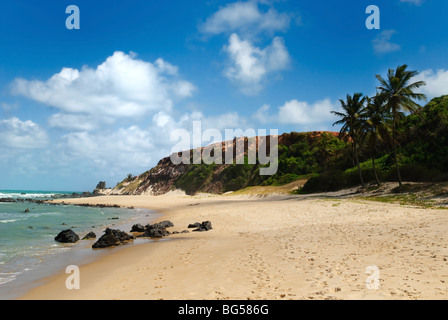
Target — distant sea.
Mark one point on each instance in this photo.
(27, 238)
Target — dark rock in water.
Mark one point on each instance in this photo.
(205, 226)
(67, 236)
(138, 228)
(194, 225)
(90, 235)
(114, 218)
(27, 210)
(112, 238)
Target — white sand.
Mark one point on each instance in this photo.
(272, 247)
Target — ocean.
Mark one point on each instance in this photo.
(27, 231)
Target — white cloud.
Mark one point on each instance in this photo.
(304, 113)
(122, 149)
(313, 116)
(245, 18)
(122, 86)
(19, 134)
(77, 122)
(436, 82)
(261, 115)
(382, 43)
(250, 65)
(136, 149)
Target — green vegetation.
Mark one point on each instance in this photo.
(408, 199)
(388, 137)
(393, 137)
(195, 177)
(399, 95)
(130, 177)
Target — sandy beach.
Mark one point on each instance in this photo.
(274, 246)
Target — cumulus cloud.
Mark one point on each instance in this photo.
(77, 122)
(382, 42)
(436, 82)
(137, 148)
(250, 65)
(122, 86)
(245, 18)
(18, 134)
(121, 149)
(302, 113)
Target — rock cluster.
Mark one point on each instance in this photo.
(157, 230)
(112, 238)
(201, 227)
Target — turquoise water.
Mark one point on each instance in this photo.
(27, 239)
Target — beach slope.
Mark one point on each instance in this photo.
(274, 246)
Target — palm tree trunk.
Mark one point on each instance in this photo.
(372, 155)
(359, 166)
(400, 183)
(353, 157)
(374, 170)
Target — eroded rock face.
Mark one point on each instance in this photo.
(101, 185)
(164, 177)
(112, 238)
(67, 236)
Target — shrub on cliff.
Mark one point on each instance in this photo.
(195, 178)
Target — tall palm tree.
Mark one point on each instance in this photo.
(398, 92)
(325, 149)
(376, 126)
(351, 123)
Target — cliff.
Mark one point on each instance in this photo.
(212, 178)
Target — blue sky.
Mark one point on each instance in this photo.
(80, 106)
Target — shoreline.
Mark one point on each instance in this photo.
(271, 247)
(50, 261)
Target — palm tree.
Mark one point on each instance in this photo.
(399, 95)
(351, 123)
(376, 126)
(325, 149)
